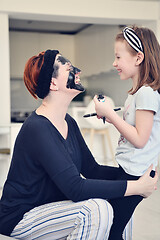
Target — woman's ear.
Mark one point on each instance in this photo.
(53, 85)
(140, 57)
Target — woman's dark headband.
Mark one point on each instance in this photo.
(45, 76)
(133, 40)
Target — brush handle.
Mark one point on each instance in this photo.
(95, 114)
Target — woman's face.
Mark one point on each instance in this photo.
(64, 70)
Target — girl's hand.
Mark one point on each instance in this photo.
(103, 109)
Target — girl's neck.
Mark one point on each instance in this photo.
(134, 82)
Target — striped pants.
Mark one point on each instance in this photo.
(88, 220)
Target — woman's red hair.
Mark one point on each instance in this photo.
(31, 72)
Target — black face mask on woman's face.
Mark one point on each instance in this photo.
(73, 74)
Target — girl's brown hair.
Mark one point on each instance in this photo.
(150, 67)
(31, 72)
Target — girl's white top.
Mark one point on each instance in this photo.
(135, 161)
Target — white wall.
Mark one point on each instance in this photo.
(4, 71)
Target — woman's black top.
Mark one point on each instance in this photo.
(46, 168)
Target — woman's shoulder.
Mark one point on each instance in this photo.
(35, 121)
(71, 122)
(70, 119)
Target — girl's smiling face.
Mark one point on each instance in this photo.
(125, 62)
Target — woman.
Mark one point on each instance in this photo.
(55, 189)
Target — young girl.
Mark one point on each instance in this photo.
(137, 56)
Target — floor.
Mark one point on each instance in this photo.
(146, 225)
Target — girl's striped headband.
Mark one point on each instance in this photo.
(132, 38)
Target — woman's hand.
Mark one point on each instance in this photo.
(148, 184)
(144, 186)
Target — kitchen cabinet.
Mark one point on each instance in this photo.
(24, 45)
(94, 49)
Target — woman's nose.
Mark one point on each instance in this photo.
(69, 66)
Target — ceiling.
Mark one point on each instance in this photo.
(46, 26)
(50, 26)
